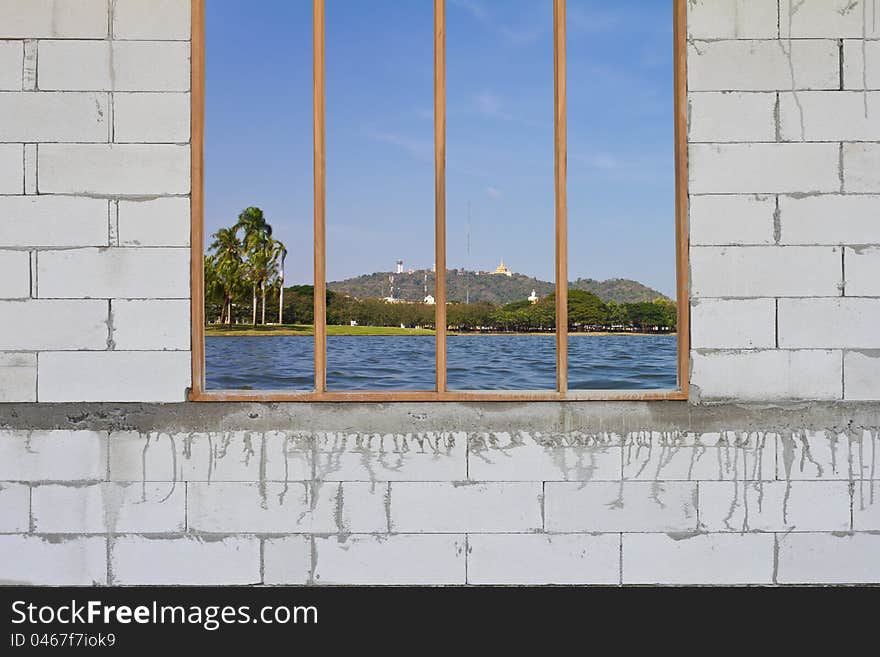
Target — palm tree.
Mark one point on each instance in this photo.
(257, 235)
(281, 255)
(227, 265)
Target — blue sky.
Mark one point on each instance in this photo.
(380, 180)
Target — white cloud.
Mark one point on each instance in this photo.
(493, 192)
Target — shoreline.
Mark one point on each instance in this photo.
(334, 330)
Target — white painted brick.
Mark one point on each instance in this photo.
(724, 456)
(185, 561)
(861, 375)
(831, 219)
(117, 272)
(866, 506)
(729, 219)
(39, 116)
(11, 65)
(36, 325)
(52, 455)
(294, 507)
(861, 168)
(731, 116)
(527, 457)
(133, 376)
(38, 561)
(43, 19)
(764, 168)
(11, 169)
(732, 19)
(764, 271)
(817, 19)
(14, 508)
(541, 559)
(762, 65)
(160, 222)
(829, 323)
(152, 325)
(829, 116)
(287, 560)
(15, 274)
(18, 377)
(775, 506)
(697, 559)
(826, 455)
(124, 169)
(398, 560)
(466, 507)
(151, 19)
(122, 66)
(209, 457)
(620, 507)
(862, 267)
(767, 375)
(30, 169)
(733, 323)
(855, 76)
(29, 76)
(114, 508)
(829, 558)
(52, 221)
(151, 118)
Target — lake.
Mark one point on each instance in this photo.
(475, 362)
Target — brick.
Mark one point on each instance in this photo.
(391, 457)
(465, 507)
(38, 561)
(825, 455)
(11, 65)
(620, 507)
(829, 116)
(697, 559)
(862, 268)
(817, 19)
(732, 19)
(52, 455)
(115, 169)
(831, 219)
(30, 169)
(185, 561)
(109, 508)
(49, 221)
(114, 66)
(764, 168)
(530, 457)
(855, 74)
(11, 169)
(764, 271)
(776, 506)
(55, 117)
(829, 323)
(15, 274)
(807, 558)
(541, 559)
(294, 507)
(18, 377)
(725, 219)
(151, 19)
(159, 222)
(29, 75)
(767, 375)
(14, 508)
(287, 560)
(396, 560)
(861, 163)
(45, 19)
(114, 273)
(733, 323)
(151, 118)
(84, 325)
(861, 375)
(120, 376)
(763, 65)
(151, 325)
(731, 117)
(866, 506)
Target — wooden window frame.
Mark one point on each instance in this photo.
(320, 393)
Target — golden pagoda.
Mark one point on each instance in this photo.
(501, 269)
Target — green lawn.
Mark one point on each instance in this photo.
(308, 329)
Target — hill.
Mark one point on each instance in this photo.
(496, 289)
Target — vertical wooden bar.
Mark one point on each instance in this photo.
(561, 175)
(681, 194)
(440, 190)
(197, 202)
(319, 127)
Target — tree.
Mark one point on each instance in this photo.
(257, 240)
(281, 252)
(227, 266)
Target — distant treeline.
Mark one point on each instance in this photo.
(586, 312)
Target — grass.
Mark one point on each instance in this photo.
(308, 329)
